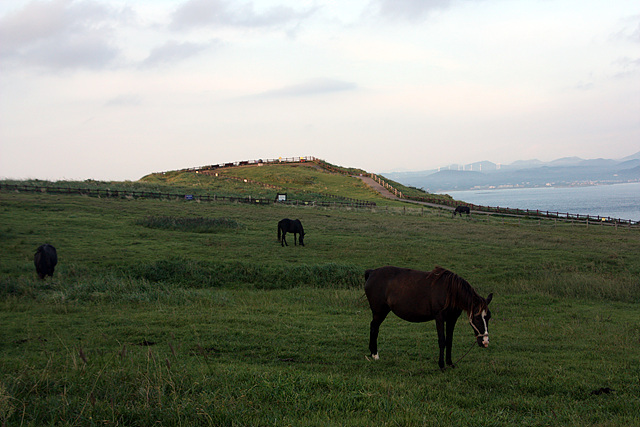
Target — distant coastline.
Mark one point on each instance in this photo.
(551, 185)
(618, 200)
(565, 172)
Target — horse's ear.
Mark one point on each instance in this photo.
(489, 298)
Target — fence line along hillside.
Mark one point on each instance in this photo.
(533, 213)
(258, 162)
(564, 216)
(107, 193)
(427, 199)
(504, 213)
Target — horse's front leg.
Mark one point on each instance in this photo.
(295, 239)
(441, 341)
(450, 325)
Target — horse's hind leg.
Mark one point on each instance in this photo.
(378, 318)
(284, 241)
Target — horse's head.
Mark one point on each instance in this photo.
(479, 321)
(301, 239)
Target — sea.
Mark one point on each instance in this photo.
(621, 201)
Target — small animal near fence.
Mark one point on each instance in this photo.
(533, 213)
(511, 211)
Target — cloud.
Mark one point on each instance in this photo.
(633, 34)
(630, 31)
(60, 34)
(173, 51)
(627, 67)
(226, 13)
(411, 10)
(124, 101)
(311, 87)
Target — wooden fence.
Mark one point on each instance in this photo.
(209, 168)
(511, 211)
(531, 213)
(96, 192)
(388, 186)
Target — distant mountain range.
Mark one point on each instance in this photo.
(567, 171)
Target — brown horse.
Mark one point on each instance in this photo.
(421, 296)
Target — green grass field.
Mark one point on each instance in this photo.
(152, 325)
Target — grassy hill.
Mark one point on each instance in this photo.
(298, 180)
(316, 181)
(303, 181)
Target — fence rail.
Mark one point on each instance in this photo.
(510, 211)
(213, 167)
(503, 212)
(533, 213)
(95, 192)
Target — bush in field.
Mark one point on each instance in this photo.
(200, 274)
(193, 225)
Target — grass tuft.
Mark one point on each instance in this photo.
(192, 225)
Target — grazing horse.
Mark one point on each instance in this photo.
(462, 209)
(290, 226)
(421, 296)
(45, 260)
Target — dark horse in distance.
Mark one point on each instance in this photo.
(290, 226)
(421, 296)
(45, 260)
(462, 209)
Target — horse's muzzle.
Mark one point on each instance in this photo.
(483, 341)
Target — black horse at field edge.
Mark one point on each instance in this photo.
(294, 226)
(462, 209)
(45, 260)
(420, 296)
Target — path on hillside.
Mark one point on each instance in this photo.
(389, 195)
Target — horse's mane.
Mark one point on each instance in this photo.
(460, 294)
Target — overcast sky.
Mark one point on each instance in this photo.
(113, 90)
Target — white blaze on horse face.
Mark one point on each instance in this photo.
(485, 340)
